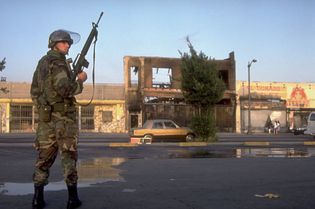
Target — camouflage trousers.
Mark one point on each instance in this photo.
(60, 134)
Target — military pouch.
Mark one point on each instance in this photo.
(70, 108)
(69, 105)
(44, 113)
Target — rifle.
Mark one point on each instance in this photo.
(80, 62)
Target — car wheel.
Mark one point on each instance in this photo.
(147, 139)
(189, 137)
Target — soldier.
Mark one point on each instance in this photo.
(52, 92)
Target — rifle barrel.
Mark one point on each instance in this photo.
(99, 18)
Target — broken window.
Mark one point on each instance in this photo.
(224, 75)
(134, 76)
(151, 99)
(161, 77)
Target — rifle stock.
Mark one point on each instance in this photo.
(80, 62)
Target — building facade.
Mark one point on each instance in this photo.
(104, 114)
(153, 91)
(289, 103)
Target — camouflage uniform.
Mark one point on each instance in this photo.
(53, 93)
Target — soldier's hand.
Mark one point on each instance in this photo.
(82, 76)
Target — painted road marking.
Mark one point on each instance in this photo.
(309, 143)
(256, 143)
(122, 145)
(193, 144)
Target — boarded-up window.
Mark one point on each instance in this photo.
(107, 116)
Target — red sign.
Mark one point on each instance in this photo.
(298, 98)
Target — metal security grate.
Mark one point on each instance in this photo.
(21, 118)
(87, 118)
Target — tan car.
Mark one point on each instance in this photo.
(161, 130)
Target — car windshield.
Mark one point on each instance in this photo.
(312, 118)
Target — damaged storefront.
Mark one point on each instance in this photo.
(153, 91)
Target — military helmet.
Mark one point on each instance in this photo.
(59, 35)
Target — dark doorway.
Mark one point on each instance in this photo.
(134, 121)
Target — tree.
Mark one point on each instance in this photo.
(2, 66)
(202, 88)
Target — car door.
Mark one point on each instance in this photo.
(173, 132)
(158, 130)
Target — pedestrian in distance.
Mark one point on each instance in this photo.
(270, 128)
(52, 92)
(276, 127)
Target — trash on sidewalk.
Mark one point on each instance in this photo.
(268, 195)
(128, 190)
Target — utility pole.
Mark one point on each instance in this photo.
(249, 128)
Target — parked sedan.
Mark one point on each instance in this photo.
(161, 130)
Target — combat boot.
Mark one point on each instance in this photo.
(38, 199)
(73, 201)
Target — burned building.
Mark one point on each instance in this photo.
(153, 90)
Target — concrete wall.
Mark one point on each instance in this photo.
(117, 125)
(260, 117)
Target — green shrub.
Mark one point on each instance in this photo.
(204, 127)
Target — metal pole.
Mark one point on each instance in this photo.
(249, 131)
(249, 128)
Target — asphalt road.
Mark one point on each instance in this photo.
(123, 137)
(156, 177)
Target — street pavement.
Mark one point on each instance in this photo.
(122, 139)
(229, 174)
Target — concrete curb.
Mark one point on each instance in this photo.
(180, 144)
(206, 144)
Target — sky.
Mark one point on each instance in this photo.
(279, 34)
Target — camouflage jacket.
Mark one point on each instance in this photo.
(52, 80)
